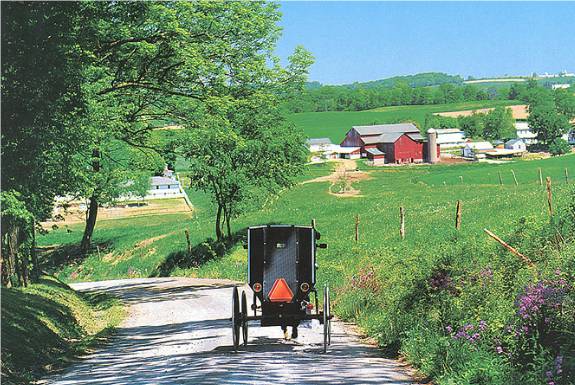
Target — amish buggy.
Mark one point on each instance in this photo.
(282, 277)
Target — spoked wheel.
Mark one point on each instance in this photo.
(236, 318)
(326, 320)
(244, 318)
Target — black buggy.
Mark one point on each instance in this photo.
(282, 276)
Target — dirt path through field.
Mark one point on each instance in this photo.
(342, 179)
(178, 332)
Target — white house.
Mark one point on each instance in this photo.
(164, 187)
(450, 137)
(471, 149)
(560, 86)
(319, 144)
(524, 132)
(516, 144)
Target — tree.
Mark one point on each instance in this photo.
(547, 123)
(498, 124)
(472, 125)
(565, 102)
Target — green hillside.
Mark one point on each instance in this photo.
(335, 124)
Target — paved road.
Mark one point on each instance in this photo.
(178, 332)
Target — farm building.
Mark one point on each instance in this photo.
(524, 132)
(319, 144)
(516, 144)
(472, 149)
(399, 143)
(164, 187)
(571, 137)
(450, 137)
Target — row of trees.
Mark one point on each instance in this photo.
(85, 83)
(344, 98)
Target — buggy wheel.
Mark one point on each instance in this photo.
(236, 318)
(326, 319)
(244, 318)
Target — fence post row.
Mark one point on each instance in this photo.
(514, 178)
(540, 177)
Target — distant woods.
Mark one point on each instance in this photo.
(420, 89)
(84, 84)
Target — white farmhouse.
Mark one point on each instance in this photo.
(450, 137)
(471, 149)
(516, 144)
(524, 132)
(163, 187)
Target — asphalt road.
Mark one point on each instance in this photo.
(178, 332)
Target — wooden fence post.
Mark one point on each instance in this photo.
(313, 223)
(458, 215)
(500, 179)
(188, 241)
(402, 222)
(566, 175)
(549, 196)
(461, 178)
(357, 227)
(540, 177)
(514, 178)
(510, 248)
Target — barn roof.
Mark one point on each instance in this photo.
(163, 181)
(416, 136)
(374, 151)
(389, 138)
(318, 141)
(385, 129)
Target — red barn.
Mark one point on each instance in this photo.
(396, 143)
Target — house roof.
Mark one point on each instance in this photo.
(513, 141)
(448, 131)
(374, 151)
(318, 141)
(163, 181)
(385, 128)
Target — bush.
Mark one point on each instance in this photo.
(559, 147)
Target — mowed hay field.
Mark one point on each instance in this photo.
(335, 124)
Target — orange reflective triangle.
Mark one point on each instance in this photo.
(280, 291)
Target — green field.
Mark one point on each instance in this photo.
(335, 124)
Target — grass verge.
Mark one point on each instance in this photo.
(47, 325)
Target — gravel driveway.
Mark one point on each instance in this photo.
(178, 332)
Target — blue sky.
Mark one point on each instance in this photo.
(361, 41)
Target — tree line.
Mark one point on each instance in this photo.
(86, 83)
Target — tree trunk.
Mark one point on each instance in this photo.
(93, 209)
(90, 224)
(218, 223)
(228, 225)
(35, 265)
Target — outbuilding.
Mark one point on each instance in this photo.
(472, 149)
(319, 144)
(516, 144)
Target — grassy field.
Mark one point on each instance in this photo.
(48, 324)
(145, 246)
(334, 125)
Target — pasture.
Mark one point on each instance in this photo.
(335, 124)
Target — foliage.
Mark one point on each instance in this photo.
(498, 124)
(547, 123)
(420, 89)
(47, 324)
(559, 146)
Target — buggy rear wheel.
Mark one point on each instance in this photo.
(236, 318)
(326, 319)
(244, 318)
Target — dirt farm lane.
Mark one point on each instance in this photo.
(178, 332)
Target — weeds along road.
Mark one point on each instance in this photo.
(178, 332)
